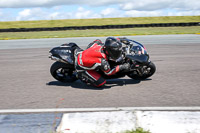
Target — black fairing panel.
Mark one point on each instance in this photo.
(65, 52)
(139, 58)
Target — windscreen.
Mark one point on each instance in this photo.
(137, 48)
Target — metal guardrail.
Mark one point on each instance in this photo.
(101, 27)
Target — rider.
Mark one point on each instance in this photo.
(97, 55)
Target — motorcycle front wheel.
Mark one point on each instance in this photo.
(63, 72)
(147, 71)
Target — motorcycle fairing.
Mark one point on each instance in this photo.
(65, 52)
(139, 58)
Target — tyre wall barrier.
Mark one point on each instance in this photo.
(101, 27)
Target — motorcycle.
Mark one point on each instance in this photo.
(133, 53)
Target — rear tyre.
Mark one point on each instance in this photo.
(63, 72)
(148, 71)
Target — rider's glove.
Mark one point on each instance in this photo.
(125, 66)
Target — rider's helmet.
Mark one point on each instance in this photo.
(113, 48)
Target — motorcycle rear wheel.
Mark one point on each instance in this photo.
(63, 72)
(150, 70)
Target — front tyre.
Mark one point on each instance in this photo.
(145, 72)
(63, 72)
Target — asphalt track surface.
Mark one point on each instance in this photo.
(25, 81)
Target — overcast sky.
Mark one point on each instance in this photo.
(12, 10)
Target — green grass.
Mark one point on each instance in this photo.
(138, 130)
(100, 21)
(101, 32)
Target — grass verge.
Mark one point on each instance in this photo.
(138, 130)
(99, 22)
(100, 32)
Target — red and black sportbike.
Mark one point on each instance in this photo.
(133, 52)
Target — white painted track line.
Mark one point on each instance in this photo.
(67, 110)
